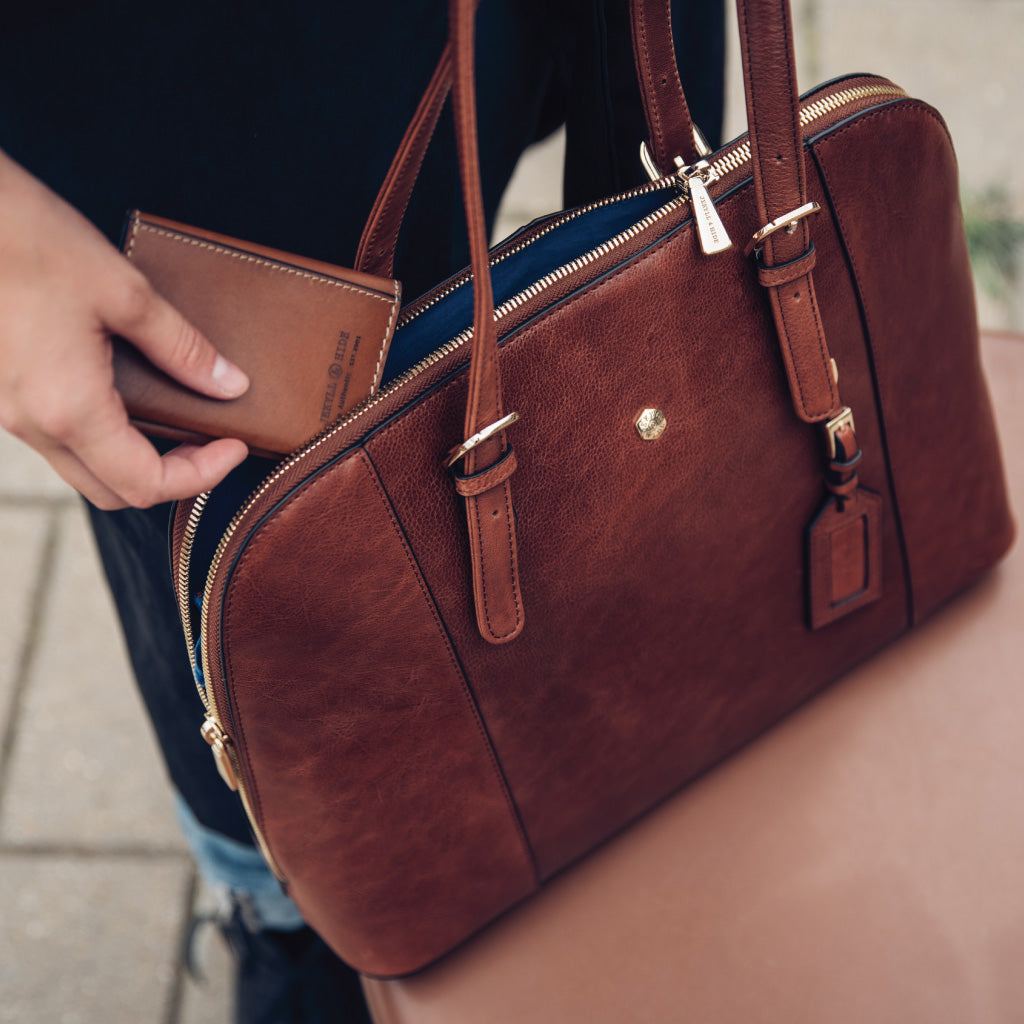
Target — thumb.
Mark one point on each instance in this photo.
(157, 329)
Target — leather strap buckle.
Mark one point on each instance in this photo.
(844, 418)
(478, 438)
(654, 172)
(787, 221)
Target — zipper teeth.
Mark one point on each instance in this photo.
(184, 596)
(211, 707)
(531, 291)
(493, 261)
(834, 101)
(729, 161)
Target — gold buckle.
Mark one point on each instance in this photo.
(842, 419)
(479, 437)
(788, 221)
(652, 169)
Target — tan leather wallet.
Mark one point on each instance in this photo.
(311, 336)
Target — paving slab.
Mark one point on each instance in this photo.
(26, 474)
(208, 999)
(89, 940)
(84, 769)
(22, 538)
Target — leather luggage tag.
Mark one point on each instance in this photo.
(311, 336)
(844, 547)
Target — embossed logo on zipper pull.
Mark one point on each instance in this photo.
(710, 229)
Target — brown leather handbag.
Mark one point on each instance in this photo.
(628, 495)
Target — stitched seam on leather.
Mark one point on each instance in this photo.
(795, 268)
(823, 350)
(822, 345)
(377, 248)
(384, 341)
(796, 144)
(262, 261)
(900, 112)
(459, 671)
(755, 146)
(898, 108)
(487, 479)
(648, 76)
(513, 575)
(132, 237)
(819, 330)
(415, 172)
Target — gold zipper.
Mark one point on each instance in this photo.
(182, 584)
(730, 160)
(416, 310)
(735, 158)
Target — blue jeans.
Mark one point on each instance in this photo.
(238, 871)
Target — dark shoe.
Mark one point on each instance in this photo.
(289, 977)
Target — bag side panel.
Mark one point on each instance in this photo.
(892, 183)
(370, 773)
(664, 580)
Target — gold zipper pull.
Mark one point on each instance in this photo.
(710, 229)
(218, 740)
(696, 178)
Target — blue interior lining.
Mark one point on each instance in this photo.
(444, 321)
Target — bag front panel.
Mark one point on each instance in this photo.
(365, 841)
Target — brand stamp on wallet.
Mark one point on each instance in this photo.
(312, 337)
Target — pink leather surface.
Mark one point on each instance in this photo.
(864, 861)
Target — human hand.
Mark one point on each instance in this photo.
(63, 291)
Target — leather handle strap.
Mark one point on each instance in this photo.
(376, 252)
(777, 155)
(669, 125)
(489, 511)
(777, 152)
(773, 117)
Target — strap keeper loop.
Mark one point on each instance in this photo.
(782, 273)
(472, 484)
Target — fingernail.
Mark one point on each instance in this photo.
(229, 378)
